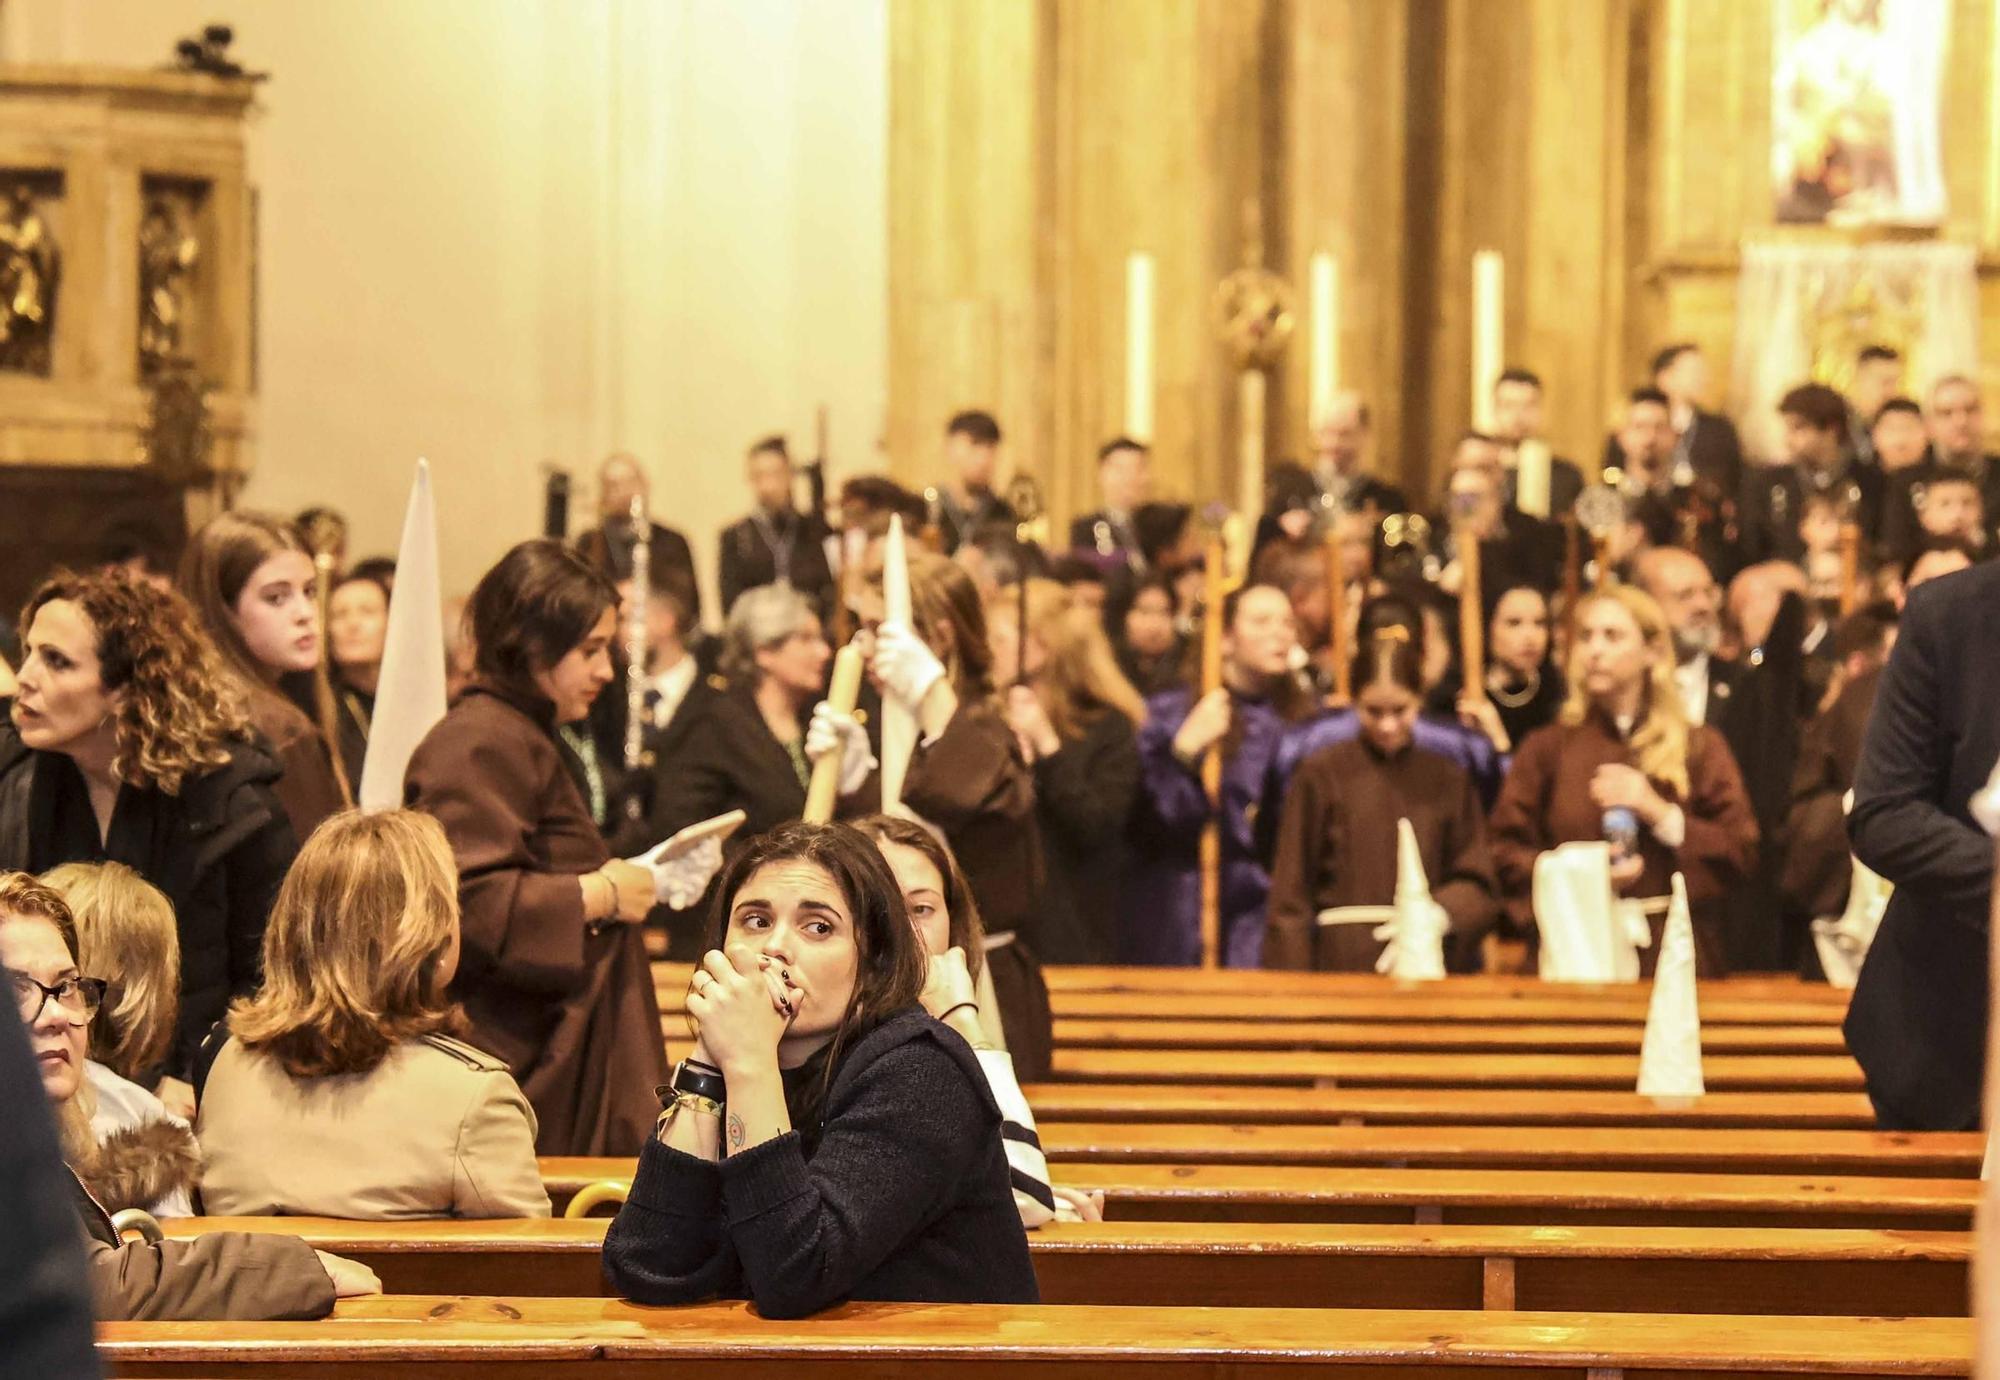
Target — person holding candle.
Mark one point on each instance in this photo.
(1517, 422)
(1622, 758)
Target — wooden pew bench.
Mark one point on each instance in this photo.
(1430, 1036)
(1517, 1197)
(1264, 982)
(446, 1338)
(1251, 1103)
(1371, 1068)
(1196, 1265)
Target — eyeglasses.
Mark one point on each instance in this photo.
(77, 997)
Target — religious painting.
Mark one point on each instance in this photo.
(1856, 93)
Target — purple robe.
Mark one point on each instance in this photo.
(1161, 924)
(1466, 748)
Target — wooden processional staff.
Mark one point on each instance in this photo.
(1253, 310)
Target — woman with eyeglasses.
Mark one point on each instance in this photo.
(217, 1276)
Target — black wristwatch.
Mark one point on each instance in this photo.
(701, 1080)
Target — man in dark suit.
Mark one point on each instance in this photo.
(967, 503)
(1878, 377)
(1124, 484)
(1817, 462)
(609, 545)
(1301, 499)
(1917, 1022)
(1515, 548)
(1957, 449)
(777, 544)
(1706, 446)
(1517, 422)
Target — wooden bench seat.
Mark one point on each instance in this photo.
(1405, 1004)
(1374, 1068)
(1520, 1197)
(1430, 1036)
(1253, 1103)
(1191, 1265)
(449, 1338)
(1266, 982)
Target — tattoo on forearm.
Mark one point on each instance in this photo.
(735, 1132)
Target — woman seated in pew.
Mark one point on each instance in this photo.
(957, 993)
(145, 1155)
(1337, 841)
(966, 776)
(1243, 720)
(1077, 720)
(216, 1276)
(826, 1140)
(1622, 762)
(340, 1089)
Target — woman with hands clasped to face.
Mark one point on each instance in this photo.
(1622, 763)
(826, 1139)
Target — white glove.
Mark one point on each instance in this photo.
(906, 667)
(842, 733)
(681, 881)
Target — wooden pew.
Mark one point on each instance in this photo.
(1275, 997)
(1365, 1068)
(446, 1338)
(1517, 1197)
(1200, 1265)
(1432, 1037)
(1251, 1103)
(1265, 982)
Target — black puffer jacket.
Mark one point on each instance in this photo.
(218, 850)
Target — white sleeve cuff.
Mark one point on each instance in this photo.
(1672, 830)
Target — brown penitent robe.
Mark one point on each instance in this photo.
(570, 1012)
(308, 790)
(1337, 846)
(1546, 801)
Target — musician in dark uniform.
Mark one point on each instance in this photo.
(609, 545)
(1124, 483)
(1706, 446)
(776, 544)
(1817, 461)
(968, 502)
(1517, 420)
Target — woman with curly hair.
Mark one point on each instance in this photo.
(251, 578)
(127, 741)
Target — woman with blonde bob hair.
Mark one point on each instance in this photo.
(1622, 763)
(341, 1090)
(127, 742)
(1076, 718)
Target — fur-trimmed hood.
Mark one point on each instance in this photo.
(140, 1165)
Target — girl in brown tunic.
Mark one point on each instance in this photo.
(1337, 840)
(553, 970)
(1623, 742)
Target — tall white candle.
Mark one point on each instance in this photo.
(1139, 346)
(1489, 302)
(1324, 367)
(1250, 390)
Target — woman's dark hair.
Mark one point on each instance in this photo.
(889, 965)
(531, 609)
(966, 930)
(1391, 655)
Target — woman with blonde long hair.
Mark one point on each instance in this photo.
(251, 578)
(145, 1156)
(1623, 763)
(1076, 718)
(343, 1089)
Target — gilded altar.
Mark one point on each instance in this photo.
(127, 349)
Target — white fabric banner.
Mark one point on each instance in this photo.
(1803, 311)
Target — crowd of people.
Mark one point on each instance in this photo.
(247, 997)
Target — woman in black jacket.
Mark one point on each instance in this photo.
(826, 1140)
(127, 742)
(1076, 718)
